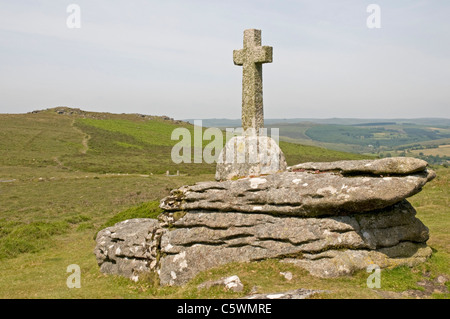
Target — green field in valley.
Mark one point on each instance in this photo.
(383, 139)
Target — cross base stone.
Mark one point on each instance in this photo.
(249, 155)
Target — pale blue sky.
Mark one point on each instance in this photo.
(174, 58)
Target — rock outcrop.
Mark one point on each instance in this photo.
(129, 248)
(329, 218)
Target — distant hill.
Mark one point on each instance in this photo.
(77, 140)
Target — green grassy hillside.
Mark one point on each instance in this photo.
(112, 143)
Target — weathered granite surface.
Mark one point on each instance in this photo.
(249, 155)
(128, 248)
(393, 165)
(302, 194)
(202, 240)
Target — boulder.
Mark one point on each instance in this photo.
(128, 248)
(287, 275)
(304, 194)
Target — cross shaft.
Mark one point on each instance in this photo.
(251, 57)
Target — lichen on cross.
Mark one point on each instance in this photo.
(251, 57)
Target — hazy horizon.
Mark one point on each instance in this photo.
(236, 119)
(239, 119)
(175, 58)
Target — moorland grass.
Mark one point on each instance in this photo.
(145, 210)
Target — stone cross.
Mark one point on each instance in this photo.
(251, 57)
